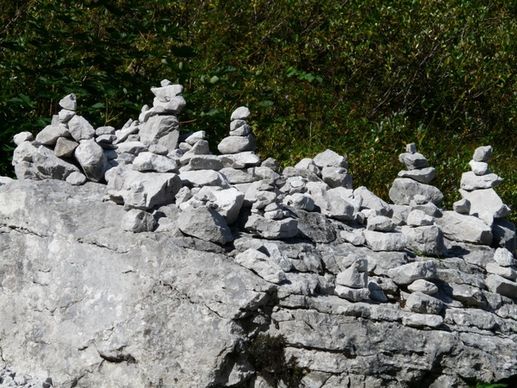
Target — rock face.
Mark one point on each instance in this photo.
(86, 303)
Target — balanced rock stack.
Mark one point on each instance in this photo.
(479, 216)
(477, 188)
(60, 148)
(414, 181)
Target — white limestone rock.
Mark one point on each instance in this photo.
(50, 134)
(425, 240)
(413, 161)
(65, 115)
(92, 159)
(172, 106)
(161, 129)
(299, 201)
(423, 286)
(352, 294)
(422, 320)
(241, 113)
(236, 144)
(228, 203)
(419, 218)
(479, 168)
(203, 178)
(486, 204)
(404, 190)
(424, 175)
(506, 272)
(262, 265)
(380, 241)
(131, 147)
(138, 221)
(76, 178)
(471, 181)
(271, 229)
(482, 154)
(355, 276)
(369, 200)
(69, 102)
(206, 224)
(21, 137)
(504, 258)
(65, 147)
(408, 273)
(502, 286)
(105, 130)
(329, 158)
(307, 164)
(380, 224)
(354, 236)
(147, 161)
(193, 138)
(459, 227)
(462, 206)
(239, 128)
(80, 128)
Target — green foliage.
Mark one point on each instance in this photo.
(362, 78)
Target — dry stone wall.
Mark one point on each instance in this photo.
(361, 292)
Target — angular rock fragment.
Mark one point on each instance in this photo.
(92, 159)
(80, 128)
(404, 189)
(206, 224)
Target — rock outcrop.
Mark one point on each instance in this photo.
(154, 263)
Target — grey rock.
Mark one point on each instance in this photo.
(205, 162)
(336, 205)
(411, 148)
(65, 147)
(76, 178)
(479, 168)
(462, 206)
(486, 204)
(404, 189)
(419, 302)
(235, 176)
(167, 92)
(300, 201)
(271, 229)
(354, 236)
(69, 102)
(482, 154)
(471, 181)
(413, 161)
(147, 161)
(380, 224)
(160, 130)
(239, 128)
(379, 241)
(502, 286)
(65, 115)
(80, 128)
(329, 158)
(471, 318)
(158, 149)
(21, 137)
(352, 294)
(419, 218)
(369, 200)
(400, 213)
(425, 240)
(423, 286)
(106, 141)
(241, 113)
(468, 295)
(105, 130)
(263, 172)
(504, 258)
(315, 226)
(195, 137)
(203, 178)
(354, 276)
(408, 273)
(236, 144)
(48, 166)
(172, 106)
(424, 175)
(506, 272)
(125, 133)
(461, 227)
(50, 134)
(206, 224)
(240, 160)
(138, 221)
(307, 164)
(229, 203)
(92, 159)
(422, 320)
(262, 265)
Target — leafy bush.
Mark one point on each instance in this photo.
(362, 78)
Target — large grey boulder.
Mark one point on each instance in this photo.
(404, 190)
(204, 223)
(460, 227)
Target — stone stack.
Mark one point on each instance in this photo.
(69, 141)
(477, 188)
(415, 180)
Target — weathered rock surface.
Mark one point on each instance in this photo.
(85, 303)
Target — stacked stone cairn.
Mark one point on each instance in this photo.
(170, 182)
